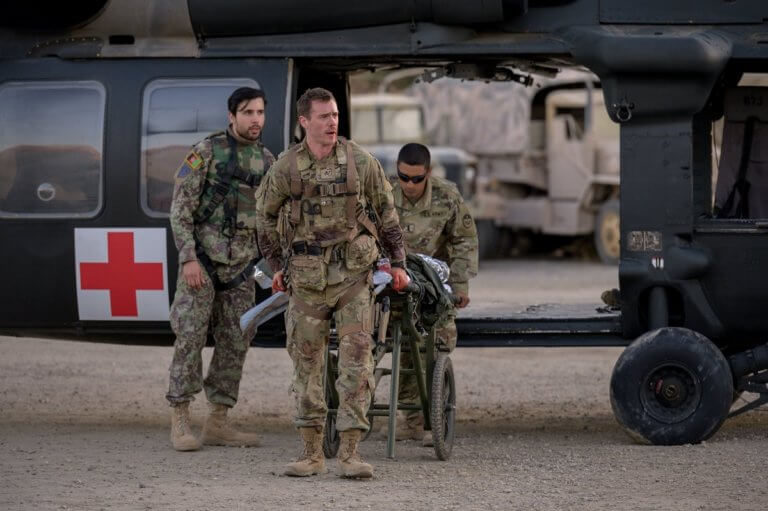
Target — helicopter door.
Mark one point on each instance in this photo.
(736, 234)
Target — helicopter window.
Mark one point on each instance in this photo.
(741, 160)
(51, 144)
(177, 113)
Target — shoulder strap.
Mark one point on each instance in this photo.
(352, 188)
(224, 173)
(296, 186)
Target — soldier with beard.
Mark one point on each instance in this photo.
(214, 227)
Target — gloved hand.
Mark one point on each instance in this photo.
(278, 283)
(400, 279)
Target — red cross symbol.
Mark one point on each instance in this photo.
(121, 275)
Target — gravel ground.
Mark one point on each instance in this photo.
(85, 426)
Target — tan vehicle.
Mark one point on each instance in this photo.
(383, 122)
(386, 119)
(548, 158)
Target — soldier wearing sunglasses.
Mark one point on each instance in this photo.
(436, 222)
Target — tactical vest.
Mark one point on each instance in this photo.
(228, 197)
(328, 209)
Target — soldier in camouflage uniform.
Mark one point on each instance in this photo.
(436, 222)
(329, 190)
(213, 217)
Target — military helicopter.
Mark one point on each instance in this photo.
(99, 100)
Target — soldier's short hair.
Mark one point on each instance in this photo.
(304, 104)
(414, 154)
(244, 94)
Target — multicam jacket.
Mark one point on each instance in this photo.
(323, 218)
(440, 225)
(224, 244)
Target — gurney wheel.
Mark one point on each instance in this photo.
(443, 406)
(331, 439)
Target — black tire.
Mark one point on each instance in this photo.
(607, 236)
(671, 386)
(443, 406)
(487, 239)
(331, 438)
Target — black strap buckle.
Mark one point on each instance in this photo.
(221, 188)
(304, 248)
(228, 227)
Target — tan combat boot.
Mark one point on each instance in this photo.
(312, 460)
(182, 437)
(409, 427)
(350, 462)
(217, 430)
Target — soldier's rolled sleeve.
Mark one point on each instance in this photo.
(462, 248)
(186, 199)
(273, 194)
(379, 192)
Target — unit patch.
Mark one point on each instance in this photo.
(194, 160)
(326, 173)
(183, 170)
(467, 221)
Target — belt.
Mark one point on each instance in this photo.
(302, 247)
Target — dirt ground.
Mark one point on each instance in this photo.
(85, 426)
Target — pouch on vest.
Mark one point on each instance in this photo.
(308, 271)
(361, 253)
(246, 206)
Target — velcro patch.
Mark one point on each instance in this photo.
(183, 170)
(194, 160)
(467, 221)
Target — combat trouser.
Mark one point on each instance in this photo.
(308, 341)
(192, 311)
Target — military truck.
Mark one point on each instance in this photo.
(384, 122)
(548, 158)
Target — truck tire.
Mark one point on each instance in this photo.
(487, 239)
(671, 386)
(607, 235)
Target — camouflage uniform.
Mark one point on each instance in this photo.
(440, 225)
(230, 249)
(328, 270)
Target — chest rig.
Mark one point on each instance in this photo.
(219, 203)
(221, 187)
(327, 209)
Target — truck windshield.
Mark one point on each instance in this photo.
(401, 124)
(387, 125)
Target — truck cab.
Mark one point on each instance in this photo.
(384, 122)
(547, 158)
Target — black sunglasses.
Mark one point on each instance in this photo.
(414, 179)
